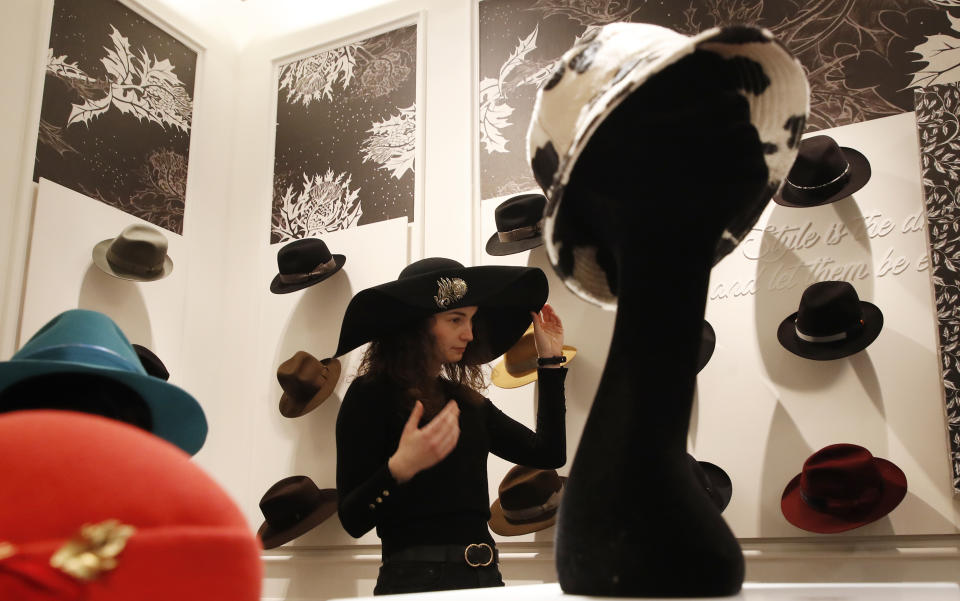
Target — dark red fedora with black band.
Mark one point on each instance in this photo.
(505, 296)
(842, 487)
(823, 172)
(292, 507)
(519, 223)
(303, 263)
(832, 322)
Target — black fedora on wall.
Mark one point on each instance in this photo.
(824, 172)
(831, 322)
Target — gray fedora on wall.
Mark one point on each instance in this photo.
(139, 253)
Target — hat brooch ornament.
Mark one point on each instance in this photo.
(94, 550)
(449, 291)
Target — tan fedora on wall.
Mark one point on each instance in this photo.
(139, 253)
(518, 366)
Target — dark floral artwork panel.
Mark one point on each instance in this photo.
(938, 127)
(346, 137)
(862, 59)
(116, 111)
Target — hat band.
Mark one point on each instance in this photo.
(527, 513)
(842, 506)
(80, 353)
(844, 173)
(122, 264)
(521, 233)
(321, 269)
(830, 337)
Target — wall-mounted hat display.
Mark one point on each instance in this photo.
(98, 510)
(292, 507)
(139, 253)
(824, 172)
(519, 223)
(528, 501)
(707, 344)
(714, 480)
(607, 65)
(518, 366)
(88, 342)
(505, 297)
(831, 322)
(842, 487)
(306, 382)
(303, 263)
(151, 362)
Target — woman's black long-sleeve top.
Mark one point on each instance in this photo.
(447, 503)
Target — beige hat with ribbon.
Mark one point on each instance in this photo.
(518, 366)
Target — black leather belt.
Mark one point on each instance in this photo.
(474, 555)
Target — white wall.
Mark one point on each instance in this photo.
(228, 315)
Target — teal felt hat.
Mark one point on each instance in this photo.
(89, 342)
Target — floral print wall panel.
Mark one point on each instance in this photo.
(346, 137)
(116, 110)
(938, 125)
(862, 58)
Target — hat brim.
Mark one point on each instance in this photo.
(504, 295)
(708, 342)
(720, 482)
(100, 260)
(273, 537)
(826, 351)
(499, 249)
(177, 417)
(789, 196)
(504, 527)
(504, 379)
(290, 407)
(278, 287)
(801, 515)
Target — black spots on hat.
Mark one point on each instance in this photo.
(558, 70)
(545, 162)
(740, 34)
(583, 59)
(748, 74)
(770, 148)
(795, 125)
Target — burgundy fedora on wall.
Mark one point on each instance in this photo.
(519, 223)
(831, 322)
(824, 172)
(842, 487)
(292, 507)
(303, 263)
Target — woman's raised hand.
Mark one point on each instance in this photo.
(548, 332)
(422, 448)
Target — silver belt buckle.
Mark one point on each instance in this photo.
(466, 555)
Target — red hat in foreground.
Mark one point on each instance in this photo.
(92, 509)
(842, 487)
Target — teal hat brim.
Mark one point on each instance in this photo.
(177, 416)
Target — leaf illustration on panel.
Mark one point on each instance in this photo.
(312, 78)
(323, 204)
(391, 143)
(385, 62)
(138, 85)
(941, 53)
(587, 12)
(495, 109)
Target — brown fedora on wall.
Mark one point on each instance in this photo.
(519, 222)
(292, 507)
(528, 501)
(139, 253)
(306, 382)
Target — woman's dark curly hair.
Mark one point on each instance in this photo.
(403, 357)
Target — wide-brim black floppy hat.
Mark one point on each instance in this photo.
(505, 296)
(851, 179)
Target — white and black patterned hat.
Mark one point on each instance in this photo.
(606, 66)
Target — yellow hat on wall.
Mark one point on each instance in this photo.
(518, 366)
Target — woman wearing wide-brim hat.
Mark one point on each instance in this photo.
(414, 429)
